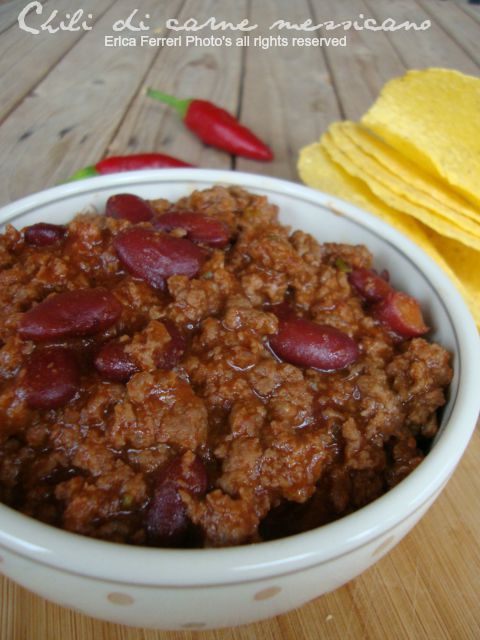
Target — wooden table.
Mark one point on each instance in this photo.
(67, 100)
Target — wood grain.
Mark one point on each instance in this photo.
(9, 13)
(473, 10)
(70, 117)
(458, 24)
(27, 58)
(421, 49)
(194, 71)
(361, 68)
(287, 91)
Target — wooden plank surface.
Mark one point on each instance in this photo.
(287, 91)
(9, 13)
(364, 65)
(473, 10)
(421, 49)
(201, 72)
(75, 110)
(457, 23)
(83, 100)
(42, 50)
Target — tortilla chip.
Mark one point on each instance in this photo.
(432, 117)
(439, 224)
(464, 262)
(318, 170)
(389, 180)
(409, 173)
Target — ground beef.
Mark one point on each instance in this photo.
(211, 439)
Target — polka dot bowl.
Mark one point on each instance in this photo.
(208, 588)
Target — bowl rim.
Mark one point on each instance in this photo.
(76, 554)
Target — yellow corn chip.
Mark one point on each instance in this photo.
(410, 173)
(432, 117)
(463, 261)
(370, 167)
(440, 225)
(318, 170)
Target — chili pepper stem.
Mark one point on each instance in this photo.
(86, 172)
(180, 105)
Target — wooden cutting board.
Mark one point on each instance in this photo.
(428, 587)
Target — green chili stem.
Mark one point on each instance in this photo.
(180, 105)
(86, 172)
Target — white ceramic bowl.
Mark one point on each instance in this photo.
(194, 589)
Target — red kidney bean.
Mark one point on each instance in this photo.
(308, 344)
(174, 350)
(129, 207)
(402, 314)
(282, 310)
(113, 363)
(43, 234)
(166, 519)
(155, 257)
(52, 378)
(199, 228)
(72, 313)
(369, 285)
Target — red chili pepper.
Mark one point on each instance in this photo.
(216, 127)
(115, 164)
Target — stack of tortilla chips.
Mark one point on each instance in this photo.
(414, 160)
